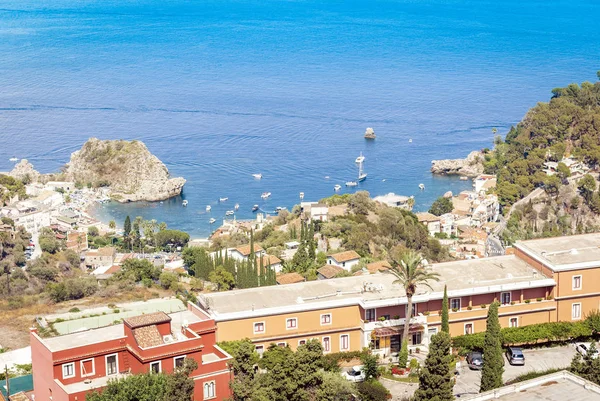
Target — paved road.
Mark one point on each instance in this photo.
(468, 380)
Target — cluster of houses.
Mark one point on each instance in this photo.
(474, 216)
(577, 168)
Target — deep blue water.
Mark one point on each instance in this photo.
(219, 90)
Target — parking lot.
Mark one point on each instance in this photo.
(467, 381)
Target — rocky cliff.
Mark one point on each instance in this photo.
(472, 166)
(25, 172)
(127, 167)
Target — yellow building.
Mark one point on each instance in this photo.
(546, 280)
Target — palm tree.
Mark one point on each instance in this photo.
(410, 273)
(112, 224)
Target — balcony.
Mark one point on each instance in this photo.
(370, 326)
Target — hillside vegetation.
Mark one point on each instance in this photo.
(567, 126)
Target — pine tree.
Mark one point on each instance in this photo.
(435, 380)
(445, 324)
(493, 364)
(127, 226)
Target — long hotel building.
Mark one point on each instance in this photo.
(545, 280)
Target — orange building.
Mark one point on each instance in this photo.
(67, 367)
(546, 280)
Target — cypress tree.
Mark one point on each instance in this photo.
(445, 324)
(127, 226)
(302, 235)
(493, 364)
(435, 380)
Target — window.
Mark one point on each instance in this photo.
(282, 344)
(209, 390)
(513, 322)
(326, 344)
(414, 310)
(87, 367)
(291, 323)
(155, 367)
(468, 328)
(455, 304)
(370, 315)
(576, 282)
(178, 361)
(112, 367)
(260, 350)
(505, 298)
(68, 370)
(259, 327)
(326, 319)
(344, 342)
(576, 311)
(416, 338)
(301, 342)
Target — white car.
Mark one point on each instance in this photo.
(355, 374)
(583, 349)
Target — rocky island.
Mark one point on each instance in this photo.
(127, 167)
(471, 166)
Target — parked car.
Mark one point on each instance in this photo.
(515, 356)
(355, 374)
(475, 360)
(584, 348)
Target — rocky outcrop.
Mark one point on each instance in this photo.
(127, 167)
(472, 166)
(370, 134)
(25, 172)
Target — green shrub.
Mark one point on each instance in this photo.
(531, 375)
(331, 361)
(73, 310)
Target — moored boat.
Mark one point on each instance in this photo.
(13, 159)
(208, 207)
(421, 186)
(257, 176)
(351, 183)
(360, 158)
(237, 206)
(229, 213)
(212, 221)
(223, 199)
(337, 187)
(184, 203)
(254, 208)
(265, 195)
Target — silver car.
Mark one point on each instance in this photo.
(355, 374)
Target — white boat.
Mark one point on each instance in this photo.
(360, 158)
(212, 221)
(254, 208)
(351, 183)
(421, 186)
(223, 199)
(208, 207)
(13, 159)
(301, 195)
(257, 176)
(265, 195)
(229, 213)
(463, 178)
(337, 187)
(280, 208)
(184, 203)
(361, 174)
(237, 206)
(410, 140)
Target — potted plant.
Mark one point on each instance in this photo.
(469, 308)
(454, 309)
(418, 350)
(527, 301)
(539, 299)
(396, 317)
(382, 319)
(483, 306)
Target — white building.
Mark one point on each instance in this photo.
(393, 200)
(431, 221)
(346, 260)
(480, 181)
(243, 252)
(319, 212)
(33, 221)
(66, 186)
(49, 199)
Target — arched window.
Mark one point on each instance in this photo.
(209, 390)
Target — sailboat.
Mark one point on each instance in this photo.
(237, 206)
(208, 207)
(361, 174)
(184, 203)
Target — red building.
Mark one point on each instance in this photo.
(66, 367)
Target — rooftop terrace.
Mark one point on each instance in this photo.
(463, 277)
(564, 253)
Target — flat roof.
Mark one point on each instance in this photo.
(564, 253)
(84, 337)
(560, 386)
(464, 277)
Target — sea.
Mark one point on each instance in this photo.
(223, 89)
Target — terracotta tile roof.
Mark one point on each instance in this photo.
(147, 336)
(108, 251)
(113, 269)
(245, 249)
(345, 256)
(147, 320)
(269, 260)
(289, 278)
(330, 271)
(426, 217)
(375, 267)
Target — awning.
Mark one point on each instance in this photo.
(393, 331)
